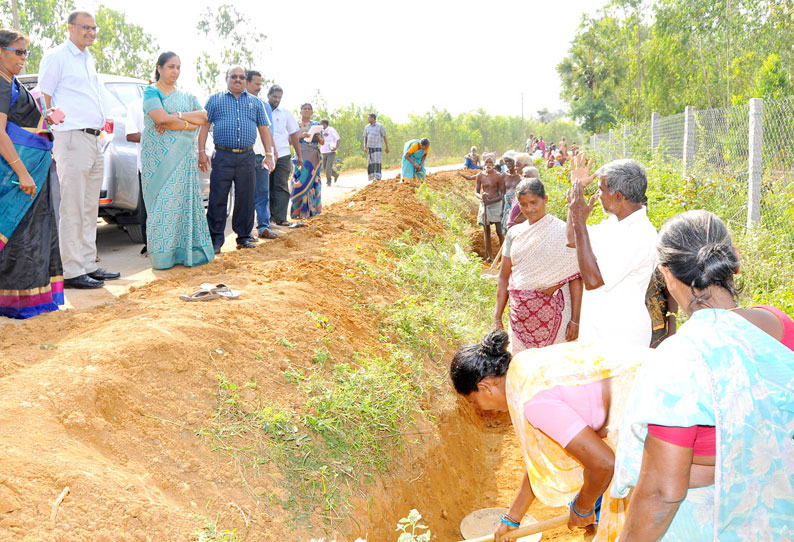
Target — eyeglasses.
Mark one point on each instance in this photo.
(19, 52)
(240, 77)
(87, 28)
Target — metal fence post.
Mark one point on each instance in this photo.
(755, 155)
(611, 144)
(626, 146)
(655, 118)
(689, 138)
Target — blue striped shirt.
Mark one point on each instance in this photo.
(235, 120)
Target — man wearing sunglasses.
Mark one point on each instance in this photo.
(236, 117)
(68, 80)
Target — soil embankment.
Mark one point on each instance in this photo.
(114, 402)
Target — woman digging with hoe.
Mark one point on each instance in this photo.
(560, 399)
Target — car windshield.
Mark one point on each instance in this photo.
(122, 95)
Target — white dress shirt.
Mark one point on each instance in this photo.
(259, 147)
(69, 76)
(626, 254)
(284, 124)
(134, 124)
(331, 138)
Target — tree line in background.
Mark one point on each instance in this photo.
(451, 136)
(121, 47)
(639, 56)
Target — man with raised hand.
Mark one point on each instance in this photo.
(617, 256)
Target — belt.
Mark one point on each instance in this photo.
(92, 131)
(236, 151)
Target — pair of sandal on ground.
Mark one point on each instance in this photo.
(208, 292)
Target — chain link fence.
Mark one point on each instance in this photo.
(739, 159)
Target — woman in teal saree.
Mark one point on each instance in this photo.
(705, 444)
(176, 227)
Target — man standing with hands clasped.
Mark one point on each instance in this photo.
(375, 142)
(68, 80)
(236, 116)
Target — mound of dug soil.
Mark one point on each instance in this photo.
(113, 401)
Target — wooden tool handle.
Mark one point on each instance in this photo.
(535, 528)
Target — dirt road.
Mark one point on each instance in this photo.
(118, 253)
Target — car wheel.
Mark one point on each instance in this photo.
(135, 231)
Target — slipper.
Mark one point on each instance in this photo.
(296, 225)
(200, 295)
(221, 290)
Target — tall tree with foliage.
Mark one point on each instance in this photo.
(122, 48)
(44, 21)
(639, 56)
(233, 39)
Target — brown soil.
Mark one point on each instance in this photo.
(109, 401)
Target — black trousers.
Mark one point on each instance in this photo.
(279, 189)
(227, 168)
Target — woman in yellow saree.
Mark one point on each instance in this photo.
(561, 400)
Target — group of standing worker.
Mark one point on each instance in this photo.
(689, 442)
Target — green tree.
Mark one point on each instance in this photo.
(122, 48)
(44, 21)
(233, 39)
(772, 81)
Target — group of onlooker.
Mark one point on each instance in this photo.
(688, 442)
(48, 240)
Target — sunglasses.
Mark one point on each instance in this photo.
(240, 77)
(87, 28)
(19, 52)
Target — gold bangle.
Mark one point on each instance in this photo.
(15, 161)
(268, 154)
(186, 125)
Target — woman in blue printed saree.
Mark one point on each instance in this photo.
(31, 275)
(306, 181)
(176, 227)
(414, 156)
(725, 379)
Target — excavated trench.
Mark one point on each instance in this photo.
(151, 410)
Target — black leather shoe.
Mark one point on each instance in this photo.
(102, 274)
(245, 244)
(83, 282)
(217, 250)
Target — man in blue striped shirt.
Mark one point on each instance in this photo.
(236, 117)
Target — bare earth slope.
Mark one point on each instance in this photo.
(111, 401)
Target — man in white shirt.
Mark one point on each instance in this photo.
(133, 126)
(285, 132)
(68, 79)
(617, 256)
(328, 151)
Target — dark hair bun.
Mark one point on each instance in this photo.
(717, 263)
(495, 343)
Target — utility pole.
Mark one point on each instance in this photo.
(523, 133)
(15, 13)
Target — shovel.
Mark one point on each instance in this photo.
(528, 530)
